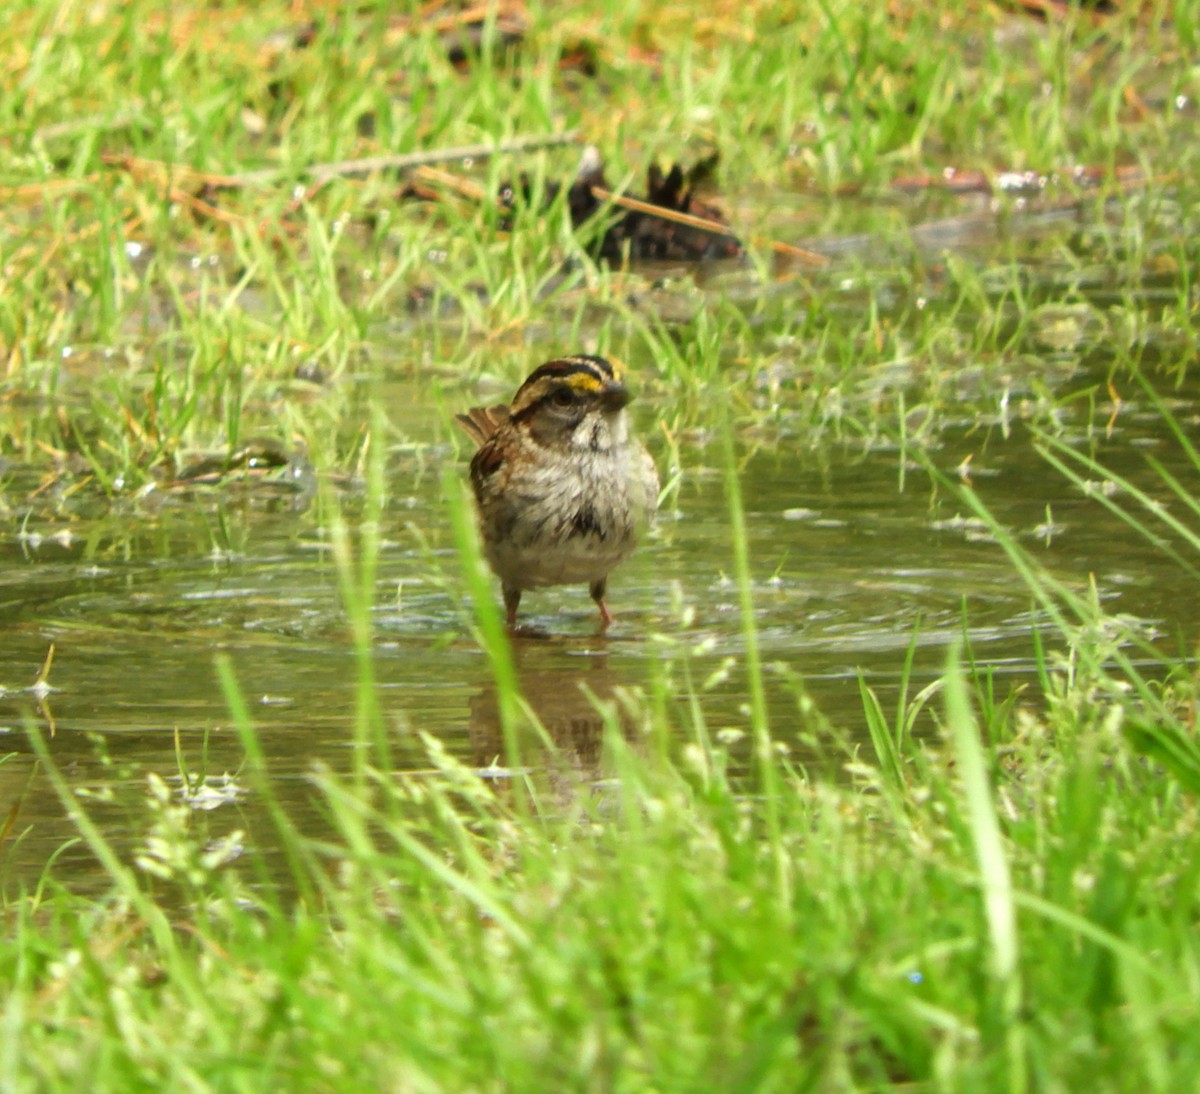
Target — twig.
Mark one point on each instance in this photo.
(438, 155)
(472, 190)
(705, 225)
(323, 172)
(204, 208)
(463, 187)
(117, 119)
(38, 190)
(1058, 10)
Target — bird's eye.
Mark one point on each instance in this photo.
(562, 397)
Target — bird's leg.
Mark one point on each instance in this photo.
(597, 589)
(512, 600)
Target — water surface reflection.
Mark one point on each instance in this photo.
(849, 569)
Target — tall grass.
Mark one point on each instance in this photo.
(971, 912)
(967, 891)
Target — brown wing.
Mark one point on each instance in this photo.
(486, 463)
(481, 422)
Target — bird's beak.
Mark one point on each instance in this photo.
(614, 396)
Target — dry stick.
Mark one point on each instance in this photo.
(421, 161)
(601, 194)
(113, 120)
(39, 190)
(476, 14)
(464, 187)
(473, 190)
(204, 208)
(1059, 10)
(322, 172)
(506, 21)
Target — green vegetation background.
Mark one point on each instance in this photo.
(1008, 904)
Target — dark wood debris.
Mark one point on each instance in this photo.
(642, 234)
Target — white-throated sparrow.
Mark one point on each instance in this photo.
(562, 487)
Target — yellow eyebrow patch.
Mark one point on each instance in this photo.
(583, 374)
(587, 382)
(600, 365)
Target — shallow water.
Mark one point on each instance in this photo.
(854, 557)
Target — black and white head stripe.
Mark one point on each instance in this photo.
(585, 373)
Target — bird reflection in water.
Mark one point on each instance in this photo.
(564, 699)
